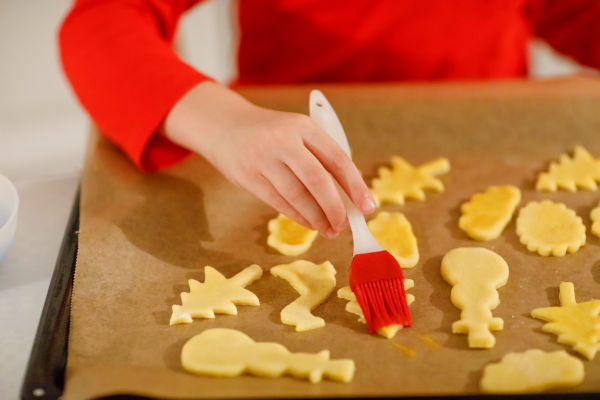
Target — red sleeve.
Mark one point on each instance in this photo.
(571, 26)
(118, 57)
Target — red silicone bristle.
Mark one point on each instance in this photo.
(378, 283)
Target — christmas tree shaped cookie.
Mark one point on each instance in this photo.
(314, 282)
(353, 307)
(475, 274)
(393, 231)
(576, 324)
(289, 237)
(216, 294)
(485, 215)
(228, 352)
(532, 371)
(550, 228)
(581, 171)
(404, 181)
(595, 217)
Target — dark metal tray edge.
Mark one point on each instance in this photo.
(45, 373)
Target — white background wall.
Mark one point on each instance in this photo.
(42, 139)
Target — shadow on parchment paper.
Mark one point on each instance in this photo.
(596, 272)
(171, 222)
(262, 233)
(172, 355)
(552, 293)
(439, 299)
(452, 224)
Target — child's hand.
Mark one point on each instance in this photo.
(283, 158)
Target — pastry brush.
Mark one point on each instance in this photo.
(375, 276)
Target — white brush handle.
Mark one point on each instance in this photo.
(324, 115)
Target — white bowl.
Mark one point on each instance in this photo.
(9, 205)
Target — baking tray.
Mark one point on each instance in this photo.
(45, 373)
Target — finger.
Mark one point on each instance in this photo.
(337, 162)
(296, 194)
(320, 184)
(265, 191)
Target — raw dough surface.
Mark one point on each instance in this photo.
(216, 295)
(485, 215)
(353, 307)
(532, 371)
(576, 324)
(314, 282)
(289, 237)
(570, 173)
(475, 273)
(393, 231)
(550, 228)
(405, 181)
(595, 217)
(228, 352)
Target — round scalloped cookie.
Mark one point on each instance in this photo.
(289, 237)
(550, 228)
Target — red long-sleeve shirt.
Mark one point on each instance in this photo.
(118, 54)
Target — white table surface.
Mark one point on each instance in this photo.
(43, 158)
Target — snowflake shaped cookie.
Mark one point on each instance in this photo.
(582, 171)
(576, 324)
(393, 231)
(404, 181)
(353, 307)
(289, 237)
(216, 294)
(550, 228)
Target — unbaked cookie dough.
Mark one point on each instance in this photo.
(228, 352)
(550, 228)
(532, 371)
(581, 171)
(216, 295)
(353, 307)
(475, 274)
(595, 217)
(485, 215)
(576, 324)
(404, 181)
(314, 282)
(393, 231)
(289, 237)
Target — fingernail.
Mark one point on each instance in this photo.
(368, 205)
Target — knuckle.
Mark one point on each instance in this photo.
(295, 193)
(316, 178)
(302, 121)
(341, 161)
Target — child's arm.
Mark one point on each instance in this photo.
(119, 59)
(283, 158)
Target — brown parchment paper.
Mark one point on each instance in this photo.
(143, 236)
